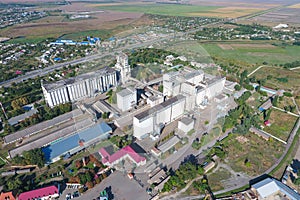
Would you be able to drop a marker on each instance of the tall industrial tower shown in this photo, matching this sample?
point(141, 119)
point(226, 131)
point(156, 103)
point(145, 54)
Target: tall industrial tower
point(123, 66)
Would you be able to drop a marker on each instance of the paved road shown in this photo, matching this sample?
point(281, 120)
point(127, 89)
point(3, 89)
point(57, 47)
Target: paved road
point(42, 72)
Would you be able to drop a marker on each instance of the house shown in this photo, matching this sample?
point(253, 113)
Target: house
point(267, 123)
point(209, 166)
point(266, 105)
point(130, 152)
point(7, 196)
point(41, 194)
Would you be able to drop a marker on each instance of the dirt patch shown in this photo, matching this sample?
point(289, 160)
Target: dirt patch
point(242, 139)
point(226, 46)
point(100, 21)
point(264, 46)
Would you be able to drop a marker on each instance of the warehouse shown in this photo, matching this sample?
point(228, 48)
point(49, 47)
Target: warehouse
point(75, 143)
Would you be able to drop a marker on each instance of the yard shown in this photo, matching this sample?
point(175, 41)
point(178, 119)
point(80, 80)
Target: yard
point(251, 154)
point(281, 124)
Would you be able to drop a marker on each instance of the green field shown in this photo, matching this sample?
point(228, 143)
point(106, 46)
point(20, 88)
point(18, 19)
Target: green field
point(162, 9)
point(192, 50)
point(254, 54)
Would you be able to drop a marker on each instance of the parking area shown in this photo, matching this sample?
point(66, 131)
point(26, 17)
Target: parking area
point(70, 192)
point(119, 187)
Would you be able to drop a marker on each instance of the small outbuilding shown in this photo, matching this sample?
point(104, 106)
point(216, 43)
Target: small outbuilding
point(186, 124)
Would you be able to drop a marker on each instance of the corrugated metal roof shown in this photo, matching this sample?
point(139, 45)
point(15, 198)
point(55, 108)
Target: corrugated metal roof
point(270, 186)
point(68, 144)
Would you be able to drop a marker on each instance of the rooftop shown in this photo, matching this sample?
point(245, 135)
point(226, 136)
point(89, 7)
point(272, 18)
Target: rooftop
point(74, 141)
point(270, 186)
point(169, 144)
point(38, 193)
point(129, 150)
point(7, 196)
point(82, 77)
point(186, 120)
point(14, 120)
point(126, 92)
point(41, 126)
point(159, 107)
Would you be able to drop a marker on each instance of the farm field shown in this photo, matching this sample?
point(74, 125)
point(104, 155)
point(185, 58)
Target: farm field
point(293, 78)
point(181, 10)
point(253, 53)
point(56, 26)
point(251, 154)
point(191, 50)
point(281, 124)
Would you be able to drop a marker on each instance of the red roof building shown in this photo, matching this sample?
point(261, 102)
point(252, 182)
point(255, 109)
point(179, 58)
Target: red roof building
point(42, 193)
point(126, 152)
point(267, 123)
point(7, 196)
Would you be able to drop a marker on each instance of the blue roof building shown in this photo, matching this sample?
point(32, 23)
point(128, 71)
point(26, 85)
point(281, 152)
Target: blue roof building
point(77, 142)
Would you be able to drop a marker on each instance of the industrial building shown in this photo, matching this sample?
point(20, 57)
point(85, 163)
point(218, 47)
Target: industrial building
point(271, 188)
point(76, 88)
point(126, 99)
point(75, 143)
point(186, 124)
point(194, 85)
point(123, 67)
point(154, 119)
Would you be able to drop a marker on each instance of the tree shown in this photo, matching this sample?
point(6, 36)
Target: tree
point(237, 87)
point(90, 185)
point(297, 181)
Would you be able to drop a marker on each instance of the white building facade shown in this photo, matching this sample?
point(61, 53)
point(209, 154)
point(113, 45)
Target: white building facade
point(126, 99)
point(150, 121)
point(82, 86)
point(193, 84)
point(123, 66)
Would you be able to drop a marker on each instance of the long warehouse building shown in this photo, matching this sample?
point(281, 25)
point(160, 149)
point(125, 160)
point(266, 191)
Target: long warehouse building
point(76, 88)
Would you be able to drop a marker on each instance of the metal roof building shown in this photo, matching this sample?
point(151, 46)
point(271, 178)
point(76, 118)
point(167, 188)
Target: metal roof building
point(77, 142)
point(269, 187)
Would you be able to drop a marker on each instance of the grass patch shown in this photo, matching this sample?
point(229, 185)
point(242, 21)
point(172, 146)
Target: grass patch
point(251, 154)
point(214, 133)
point(281, 124)
point(216, 177)
point(278, 72)
point(278, 170)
